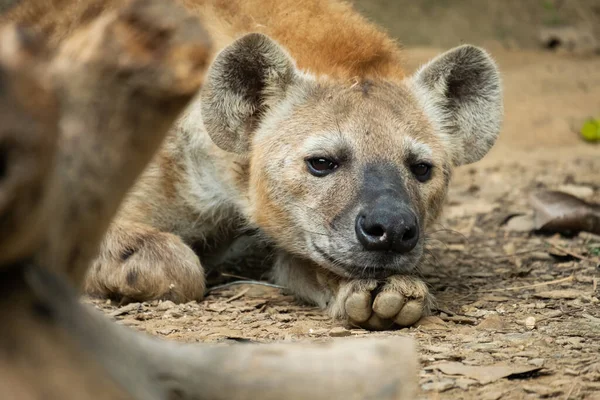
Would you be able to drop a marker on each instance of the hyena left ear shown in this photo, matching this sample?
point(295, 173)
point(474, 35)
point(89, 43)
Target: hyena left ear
point(246, 79)
point(461, 93)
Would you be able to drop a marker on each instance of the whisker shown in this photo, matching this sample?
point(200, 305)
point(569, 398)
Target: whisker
point(444, 229)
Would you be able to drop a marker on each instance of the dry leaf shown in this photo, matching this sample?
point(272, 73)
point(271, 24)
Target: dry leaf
point(493, 322)
point(484, 374)
point(431, 323)
point(561, 212)
point(520, 223)
point(558, 294)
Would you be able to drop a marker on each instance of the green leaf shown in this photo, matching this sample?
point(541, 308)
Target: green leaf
point(590, 131)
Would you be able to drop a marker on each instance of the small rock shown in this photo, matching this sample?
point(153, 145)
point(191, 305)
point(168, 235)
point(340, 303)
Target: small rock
point(493, 322)
point(165, 305)
point(530, 322)
point(339, 332)
point(538, 362)
point(440, 386)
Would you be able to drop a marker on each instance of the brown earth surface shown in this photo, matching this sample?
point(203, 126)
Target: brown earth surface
point(505, 296)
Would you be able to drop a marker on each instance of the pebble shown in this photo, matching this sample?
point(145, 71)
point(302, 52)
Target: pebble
point(530, 322)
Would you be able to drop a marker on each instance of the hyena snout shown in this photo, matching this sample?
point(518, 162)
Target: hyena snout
point(387, 225)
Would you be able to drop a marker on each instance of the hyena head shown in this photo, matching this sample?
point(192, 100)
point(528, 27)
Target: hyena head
point(349, 175)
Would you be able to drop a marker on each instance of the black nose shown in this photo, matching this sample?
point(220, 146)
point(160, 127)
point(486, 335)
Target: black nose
point(384, 229)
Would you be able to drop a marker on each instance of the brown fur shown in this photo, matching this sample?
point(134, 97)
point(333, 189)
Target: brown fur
point(318, 80)
point(353, 47)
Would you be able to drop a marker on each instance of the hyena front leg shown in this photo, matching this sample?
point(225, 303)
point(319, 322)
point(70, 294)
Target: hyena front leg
point(138, 262)
point(399, 300)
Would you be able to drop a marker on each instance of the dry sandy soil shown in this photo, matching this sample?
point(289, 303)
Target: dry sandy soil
point(505, 296)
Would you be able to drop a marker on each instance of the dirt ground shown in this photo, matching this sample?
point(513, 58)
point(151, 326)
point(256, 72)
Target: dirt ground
point(505, 296)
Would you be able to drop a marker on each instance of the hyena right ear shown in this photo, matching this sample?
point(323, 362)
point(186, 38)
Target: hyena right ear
point(245, 80)
point(461, 93)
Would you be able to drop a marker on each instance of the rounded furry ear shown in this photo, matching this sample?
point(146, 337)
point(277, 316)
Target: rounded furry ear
point(461, 94)
point(243, 82)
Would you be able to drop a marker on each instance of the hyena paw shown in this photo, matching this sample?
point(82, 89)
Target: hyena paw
point(400, 300)
point(146, 265)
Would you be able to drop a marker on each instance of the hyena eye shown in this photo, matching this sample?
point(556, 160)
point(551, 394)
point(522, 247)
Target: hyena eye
point(320, 166)
point(421, 171)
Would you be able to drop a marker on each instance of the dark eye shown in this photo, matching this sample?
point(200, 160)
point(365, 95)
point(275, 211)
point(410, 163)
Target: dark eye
point(319, 166)
point(421, 171)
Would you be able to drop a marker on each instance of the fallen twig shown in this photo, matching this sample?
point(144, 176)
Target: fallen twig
point(554, 282)
point(572, 253)
point(248, 282)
